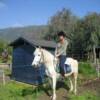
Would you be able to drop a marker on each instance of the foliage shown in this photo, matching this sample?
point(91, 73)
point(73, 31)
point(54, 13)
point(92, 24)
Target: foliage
point(63, 20)
point(83, 33)
point(3, 46)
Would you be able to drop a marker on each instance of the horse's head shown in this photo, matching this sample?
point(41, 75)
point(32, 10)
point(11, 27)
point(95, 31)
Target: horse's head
point(37, 57)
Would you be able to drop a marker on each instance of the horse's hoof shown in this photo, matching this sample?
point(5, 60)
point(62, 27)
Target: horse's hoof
point(53, 98)
point(75, 93)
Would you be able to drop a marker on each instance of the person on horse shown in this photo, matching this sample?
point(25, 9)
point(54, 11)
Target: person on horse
point(60, 51)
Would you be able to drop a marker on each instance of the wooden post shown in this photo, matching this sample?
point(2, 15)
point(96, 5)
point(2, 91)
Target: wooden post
point(4, 82)
point(98, 68)
point(94, 54)
point(2, 74)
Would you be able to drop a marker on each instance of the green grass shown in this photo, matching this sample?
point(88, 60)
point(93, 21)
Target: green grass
point(86, 72)
point(86, 69)
point(86, 95)
point(18, 91)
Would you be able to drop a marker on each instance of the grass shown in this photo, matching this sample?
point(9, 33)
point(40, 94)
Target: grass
point(86, 95)
point(18, 91)
point(86, 72)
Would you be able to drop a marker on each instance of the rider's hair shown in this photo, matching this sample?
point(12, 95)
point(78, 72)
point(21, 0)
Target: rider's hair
point(61, 33)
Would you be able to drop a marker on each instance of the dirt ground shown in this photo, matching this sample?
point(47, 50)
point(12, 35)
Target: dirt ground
point(62, 91)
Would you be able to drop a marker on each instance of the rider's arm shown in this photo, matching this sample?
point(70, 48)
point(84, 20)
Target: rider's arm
point(62, 49)
point(56, 50)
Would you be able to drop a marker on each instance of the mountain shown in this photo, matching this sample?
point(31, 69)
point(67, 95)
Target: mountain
point(10, 34)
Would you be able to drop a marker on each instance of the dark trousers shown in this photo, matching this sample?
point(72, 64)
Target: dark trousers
point(62, 59)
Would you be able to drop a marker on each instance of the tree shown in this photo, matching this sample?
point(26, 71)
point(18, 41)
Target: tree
point(84, 33)
point(63, 20)
point(92, 32)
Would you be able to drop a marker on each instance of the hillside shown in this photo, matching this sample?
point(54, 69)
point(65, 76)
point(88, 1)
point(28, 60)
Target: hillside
point(10, 34)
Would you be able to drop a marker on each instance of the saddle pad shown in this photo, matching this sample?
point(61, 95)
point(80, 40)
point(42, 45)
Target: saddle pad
point(67, 68)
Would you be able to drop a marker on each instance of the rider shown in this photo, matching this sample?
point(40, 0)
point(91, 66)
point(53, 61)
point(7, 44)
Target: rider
point(60, 51)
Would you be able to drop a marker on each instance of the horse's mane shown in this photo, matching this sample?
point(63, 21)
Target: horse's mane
point(46, 51)
point(49, 57)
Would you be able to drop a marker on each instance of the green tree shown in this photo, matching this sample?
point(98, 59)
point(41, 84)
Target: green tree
point(92, 32)
point(63, 20)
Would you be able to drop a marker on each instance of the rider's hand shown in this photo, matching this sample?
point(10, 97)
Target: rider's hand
point(57, 55)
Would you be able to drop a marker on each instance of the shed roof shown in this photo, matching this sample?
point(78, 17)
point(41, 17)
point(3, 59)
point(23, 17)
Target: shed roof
point(35, 42)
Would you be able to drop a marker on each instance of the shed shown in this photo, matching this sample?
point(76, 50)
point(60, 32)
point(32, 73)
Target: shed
point(22, 58)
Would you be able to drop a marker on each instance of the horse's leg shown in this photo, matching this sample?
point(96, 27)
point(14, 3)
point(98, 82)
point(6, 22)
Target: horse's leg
point(50, 81)
point(75, 80)
point(68, 74)
point(54, 87)
point(71, 84)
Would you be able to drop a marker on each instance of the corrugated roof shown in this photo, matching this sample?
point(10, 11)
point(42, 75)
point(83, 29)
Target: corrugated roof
point(35, 42)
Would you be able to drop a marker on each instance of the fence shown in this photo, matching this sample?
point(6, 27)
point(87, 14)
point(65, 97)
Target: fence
point(3, 66)
point(2, 76)
point(98, 67)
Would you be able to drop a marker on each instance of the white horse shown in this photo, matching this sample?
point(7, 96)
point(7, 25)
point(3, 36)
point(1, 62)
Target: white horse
point(48, 59)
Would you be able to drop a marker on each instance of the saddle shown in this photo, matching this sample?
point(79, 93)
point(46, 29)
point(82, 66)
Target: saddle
point(67, 69)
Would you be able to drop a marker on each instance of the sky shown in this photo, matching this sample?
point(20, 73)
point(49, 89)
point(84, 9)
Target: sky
point(19, 13)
